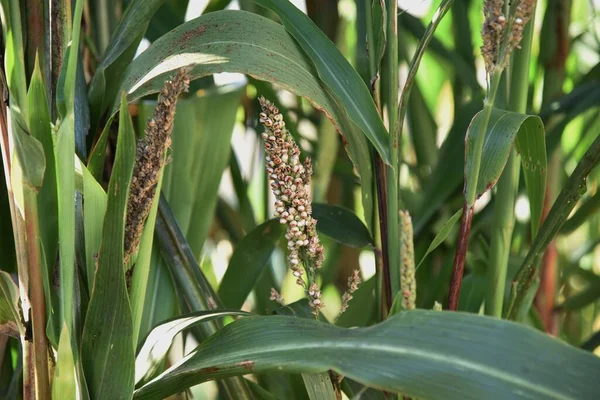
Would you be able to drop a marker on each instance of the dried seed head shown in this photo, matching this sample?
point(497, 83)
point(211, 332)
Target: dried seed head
point(353, 282)
point(149, 160)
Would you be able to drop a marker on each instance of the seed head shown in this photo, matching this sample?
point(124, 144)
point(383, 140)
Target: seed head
point(290, 182)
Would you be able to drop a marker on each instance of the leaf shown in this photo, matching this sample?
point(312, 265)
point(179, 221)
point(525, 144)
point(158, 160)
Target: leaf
point(319, 386)
point(40, 129)
point(121, 49)
point(64, 384)
point(107, 339)
point(29, 153)
point(477, 357)
point(250, 257)
point(587, 296)
point(337, 74)
point(94, 211)
point(169, 15)
point(341, 224)
point(161, 300)
point(237, 41)
point(503, 128)
point(158, 342)
point(442, 235)
point(10, 321)
point(379, 17)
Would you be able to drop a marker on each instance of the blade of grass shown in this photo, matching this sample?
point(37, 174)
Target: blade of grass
point(337, 74)
point(108, 332)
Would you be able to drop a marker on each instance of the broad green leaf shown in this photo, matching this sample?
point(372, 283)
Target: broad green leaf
point(237, 41)
point(64, 383)
point(249, 259)
point(572, 191)
point(503, 129)
point(337, 74)
point(121, 49)
point(107, 340)
point(341, 224)
point(94, 211)
point(478, 357)
point(158, 342)
point(442, 235)
point(10, 321)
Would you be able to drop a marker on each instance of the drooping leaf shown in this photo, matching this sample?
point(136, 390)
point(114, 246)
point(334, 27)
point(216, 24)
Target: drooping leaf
point(158, 342)
point(471, 356)
point(503, 129)
point(250, 257)
point(236, 41)
point(341, 224)
point(337, 74)
point(107, 340)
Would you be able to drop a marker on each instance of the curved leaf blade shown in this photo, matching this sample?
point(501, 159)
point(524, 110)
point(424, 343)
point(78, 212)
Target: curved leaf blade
point(461, 355)
point(335, 71)
point(504, 128)
point(158, 342)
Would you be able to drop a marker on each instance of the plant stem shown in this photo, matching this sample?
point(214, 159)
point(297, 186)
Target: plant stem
point(504, 221)
point(391, 175)
point(471, 192)
point(508, 185)
point(38, 304)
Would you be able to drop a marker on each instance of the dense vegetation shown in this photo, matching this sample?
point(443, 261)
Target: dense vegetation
point(380, 204)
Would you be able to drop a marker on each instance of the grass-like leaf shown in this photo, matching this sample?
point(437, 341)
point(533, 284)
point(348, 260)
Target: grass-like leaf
point(335, 71)
point(248, 261)
point(107, 340)
point(424, 354)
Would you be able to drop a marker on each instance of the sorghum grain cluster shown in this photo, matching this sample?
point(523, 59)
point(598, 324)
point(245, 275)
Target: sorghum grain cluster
point(290, 182)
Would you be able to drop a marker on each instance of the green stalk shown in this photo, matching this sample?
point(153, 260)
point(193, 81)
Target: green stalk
point(508, 185)
point(393, 234)
point(36, 286)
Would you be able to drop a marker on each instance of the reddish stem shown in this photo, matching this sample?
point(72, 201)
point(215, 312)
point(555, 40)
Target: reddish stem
point(458, 268)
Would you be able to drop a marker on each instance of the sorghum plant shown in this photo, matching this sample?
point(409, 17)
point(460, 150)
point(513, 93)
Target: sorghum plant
point(161, 228)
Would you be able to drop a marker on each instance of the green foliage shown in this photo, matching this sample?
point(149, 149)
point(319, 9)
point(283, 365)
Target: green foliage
point(390, 120)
